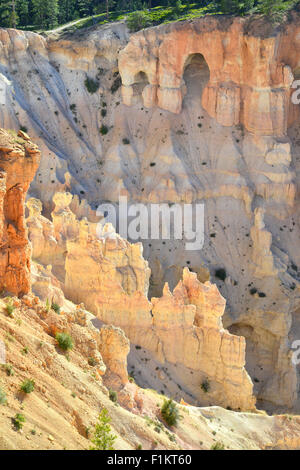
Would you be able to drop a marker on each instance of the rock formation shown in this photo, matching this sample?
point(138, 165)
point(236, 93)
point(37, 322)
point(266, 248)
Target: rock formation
point(193, 111)
point(19, 160)
point(183, 329)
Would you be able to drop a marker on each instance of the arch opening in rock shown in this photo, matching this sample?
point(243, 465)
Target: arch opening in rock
point(140, 81)
point(196, 75)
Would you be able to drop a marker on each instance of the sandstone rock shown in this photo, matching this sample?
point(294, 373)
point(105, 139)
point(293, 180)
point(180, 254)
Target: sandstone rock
point(114, 348)
point(19, 159)
point(203, 345)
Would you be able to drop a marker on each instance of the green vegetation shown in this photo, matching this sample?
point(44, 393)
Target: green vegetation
point(3, 399)
point(8, 369)
point(18, 421)
point(55, 307)
point(41, 15)
point(91, 85)
point(116, 84)
point(113, 396)
point(138, 20)
point(205, 386)
point(103, 129)
point(92, 361)
point(64, 341)
point(27, 386)
point(169, 412)
point(10, 308)
point(103, 438)
point(217, 446)
point(126, 141)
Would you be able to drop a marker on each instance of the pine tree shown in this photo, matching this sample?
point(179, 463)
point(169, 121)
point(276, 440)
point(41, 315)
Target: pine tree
point(5, 13)
point(45, 12)
point(66, 11)
point(235, 7)
point(22, 12)
point(103, 438)
point(84, 7)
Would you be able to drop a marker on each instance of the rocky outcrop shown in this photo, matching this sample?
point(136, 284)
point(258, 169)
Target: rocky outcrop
point(189, 329)
point(183, 329)
point(114, 347)
point(247, 81)
point(19, 160)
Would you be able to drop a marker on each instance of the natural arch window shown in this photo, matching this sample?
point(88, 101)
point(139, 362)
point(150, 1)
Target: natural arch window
point(140, 81)
point(196, 75)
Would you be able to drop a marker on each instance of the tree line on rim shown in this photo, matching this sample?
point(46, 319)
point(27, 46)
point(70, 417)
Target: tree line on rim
point(46, 14)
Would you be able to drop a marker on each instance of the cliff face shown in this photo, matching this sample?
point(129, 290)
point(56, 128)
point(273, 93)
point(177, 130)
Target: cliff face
point(204, 114)
point(248, 78)
point(19, 160)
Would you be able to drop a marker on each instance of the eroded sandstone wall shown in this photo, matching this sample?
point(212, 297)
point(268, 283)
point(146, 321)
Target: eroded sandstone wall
point(232, 144)
point(183, 328)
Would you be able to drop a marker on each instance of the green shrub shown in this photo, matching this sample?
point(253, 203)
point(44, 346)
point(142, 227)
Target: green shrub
point(91, 85)
point(217, 446)
point(10, 308)
point(23, 129)
point(113, 396)
point(205, 386)
point(55, 307)
point(64, 340)
point(3, 399)
point(103, 438)
point(116, 84)
point(27, 386)
point(169, 412)
point(126, 141)
point(18, 421)
point(103, 129)
point(9, 369)
point(92, 361)
point(138, 20)
point(103, 112)
point(275, 10)
point(177, 8)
